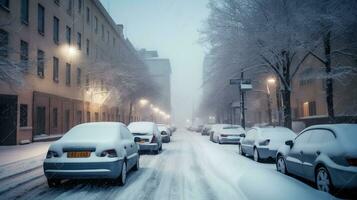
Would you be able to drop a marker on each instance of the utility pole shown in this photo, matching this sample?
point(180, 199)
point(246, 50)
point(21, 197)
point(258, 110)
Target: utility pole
point(242, 107)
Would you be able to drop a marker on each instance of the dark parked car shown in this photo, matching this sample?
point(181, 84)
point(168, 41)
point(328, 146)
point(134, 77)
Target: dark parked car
point(324, 154)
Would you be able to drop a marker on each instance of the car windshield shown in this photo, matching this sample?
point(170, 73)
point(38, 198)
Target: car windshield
point(277, 133)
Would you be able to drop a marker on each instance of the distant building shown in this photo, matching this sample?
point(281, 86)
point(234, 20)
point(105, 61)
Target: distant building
point(160, 70)
point(56, 44)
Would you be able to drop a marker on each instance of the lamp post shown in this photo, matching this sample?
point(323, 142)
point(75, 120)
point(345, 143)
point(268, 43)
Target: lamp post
point(269, 82)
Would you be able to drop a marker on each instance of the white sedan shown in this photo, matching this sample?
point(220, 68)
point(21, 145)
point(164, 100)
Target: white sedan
point(92, 150)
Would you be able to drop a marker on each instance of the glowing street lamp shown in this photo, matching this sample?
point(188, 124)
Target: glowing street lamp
point(271, 81)
point(143, 102)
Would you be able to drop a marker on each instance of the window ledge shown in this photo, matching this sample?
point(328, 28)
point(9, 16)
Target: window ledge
point(5, 8)
point(25, 128)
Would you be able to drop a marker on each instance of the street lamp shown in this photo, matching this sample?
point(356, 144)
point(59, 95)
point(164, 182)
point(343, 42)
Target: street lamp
point(270, 81)
point(143, 102)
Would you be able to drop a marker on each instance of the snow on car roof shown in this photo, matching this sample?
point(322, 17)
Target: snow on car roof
point(141, 127)
point(346, 133)
point(96, 131)
point(276, 131)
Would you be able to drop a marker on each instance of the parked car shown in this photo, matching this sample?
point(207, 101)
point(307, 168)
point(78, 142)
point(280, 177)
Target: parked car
point(263, 143)
point(206, 128)
point(165, 132)
point(92, 150)
point(231, 134)
point(148, 134)
point(214, 129)
point(324, 154)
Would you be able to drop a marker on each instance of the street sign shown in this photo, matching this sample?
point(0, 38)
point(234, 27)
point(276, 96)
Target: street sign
point(246, 85)
point(234, 81)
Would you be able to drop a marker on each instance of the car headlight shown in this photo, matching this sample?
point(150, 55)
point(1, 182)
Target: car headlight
point(51, 154)
point(111, 153)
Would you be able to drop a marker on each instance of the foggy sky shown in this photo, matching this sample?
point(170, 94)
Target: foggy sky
point(171, 27)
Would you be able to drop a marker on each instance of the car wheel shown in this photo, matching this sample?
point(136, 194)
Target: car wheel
point(323, 180)
point(280, 165)
point(137, 165)
point(256, 155)
point(53, 182)
point(122, 177)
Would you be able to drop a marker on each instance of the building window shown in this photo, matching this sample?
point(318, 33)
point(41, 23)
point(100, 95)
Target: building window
point(4, 42)
point(79, 6)
point(102, 32)
point(24, 53)
point(68, 35)
point(69, 7)
point(312, 108)
point(68, 74)
point(79, 41)
point(23, 115)
point(103, 116)
point(95, 24)
point(55, 118)
point(101, 85)
point(107, 36)
point(41, 19)
point(55, 69)
point(96, 116)
point(88, 116)
point(87, 81)
point(66, 120)
point(87, 47)
point(309, 109)
point(55, 30)
point(79, 117)
point(79, 76)
point(40, 63)
point(4, 4)
point(113, 41)
point(88, 16)
point(24, 11)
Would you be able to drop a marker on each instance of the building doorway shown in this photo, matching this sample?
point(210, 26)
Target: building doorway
point(8, 119)
point(40, 120)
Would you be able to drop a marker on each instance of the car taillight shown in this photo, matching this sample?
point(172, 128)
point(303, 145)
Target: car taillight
point(352, 161)
point(51, 154)
point(265, 142)
point(154, 139)
point(111, 153)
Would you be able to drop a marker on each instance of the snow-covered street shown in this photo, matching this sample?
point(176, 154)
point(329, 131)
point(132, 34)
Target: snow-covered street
point(190, 167)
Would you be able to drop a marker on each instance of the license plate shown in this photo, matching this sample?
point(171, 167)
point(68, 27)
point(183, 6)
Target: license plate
point(78, 154)
point(142, 141)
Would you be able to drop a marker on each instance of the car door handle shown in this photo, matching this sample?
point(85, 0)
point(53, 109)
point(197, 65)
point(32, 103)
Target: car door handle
point(318, 152)
point(301, 152)
point(131, 145)
point(124, 147)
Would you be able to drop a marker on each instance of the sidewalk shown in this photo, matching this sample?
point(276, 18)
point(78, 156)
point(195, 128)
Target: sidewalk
point(11, 154)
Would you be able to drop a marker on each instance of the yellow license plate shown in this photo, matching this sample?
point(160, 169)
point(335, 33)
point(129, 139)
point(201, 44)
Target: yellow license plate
point(78, 154)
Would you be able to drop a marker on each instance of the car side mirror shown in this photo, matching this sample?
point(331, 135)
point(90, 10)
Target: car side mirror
point(137, 139)
point(242, 135)
point(290, 143)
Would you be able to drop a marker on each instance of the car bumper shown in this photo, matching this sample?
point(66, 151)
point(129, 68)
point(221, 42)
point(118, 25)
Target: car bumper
point(267, 153)
point(344, 177)
point(148, 146)
point(83, 170)
point(229, 140)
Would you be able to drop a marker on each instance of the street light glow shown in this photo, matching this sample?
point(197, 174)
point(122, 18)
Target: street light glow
point(271, 80)
point(143, 102)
